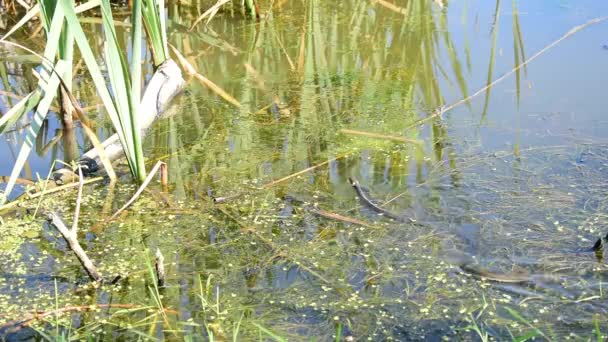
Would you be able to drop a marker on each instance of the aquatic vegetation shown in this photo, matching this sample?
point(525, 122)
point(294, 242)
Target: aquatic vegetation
point(121, 99)
point(263, 236)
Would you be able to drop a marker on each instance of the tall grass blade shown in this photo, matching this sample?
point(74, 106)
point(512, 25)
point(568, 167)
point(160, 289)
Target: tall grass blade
point(270, 333)
point(136, 78)
point(49, 83)
point(25, 105)
point(520, 318)
point(495, 26)
point(26, 18)
point(156, 28)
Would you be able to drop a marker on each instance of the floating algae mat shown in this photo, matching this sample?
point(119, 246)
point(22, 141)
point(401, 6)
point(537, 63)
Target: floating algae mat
point(269, 264)
point(476, 223)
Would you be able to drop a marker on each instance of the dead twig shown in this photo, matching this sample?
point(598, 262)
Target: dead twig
point(281, 180)
point(190, 70)
point(306, 170)
point(71, 235)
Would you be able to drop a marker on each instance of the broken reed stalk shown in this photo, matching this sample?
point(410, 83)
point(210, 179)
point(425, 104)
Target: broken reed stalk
point(286, 178)
point(49, 191)
point(381, 136)
point(191, 71)
point(210, 13)
point(71, 235)
point(390, 6)
point(439, 111)
point(160, 268)
point(339, 217)
point(164, 177)
point(140, 190)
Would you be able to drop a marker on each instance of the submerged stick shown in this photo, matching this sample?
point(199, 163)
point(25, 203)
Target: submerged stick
point(49, 191)
point(160, 268)
point(190, 70)
point(71, 235)
point(306, 170)
point(339, 217)
point(373, 205)
point(71, 238)
point(439, 111)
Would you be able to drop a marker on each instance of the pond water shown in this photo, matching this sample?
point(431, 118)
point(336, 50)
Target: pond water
point(514, 178)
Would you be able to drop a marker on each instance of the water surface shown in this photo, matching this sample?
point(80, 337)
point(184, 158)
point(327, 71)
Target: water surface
point(513, 178)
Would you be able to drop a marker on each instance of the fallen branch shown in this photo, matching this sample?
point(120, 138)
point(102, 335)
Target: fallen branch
point(71, 238)
point(71, 235)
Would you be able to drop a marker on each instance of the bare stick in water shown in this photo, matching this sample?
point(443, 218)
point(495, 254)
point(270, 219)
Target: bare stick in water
point(71, 235)
point(160, 268)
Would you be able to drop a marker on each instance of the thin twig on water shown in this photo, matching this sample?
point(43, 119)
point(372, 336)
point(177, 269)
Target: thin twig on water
point(140, 190)
point(439, 111)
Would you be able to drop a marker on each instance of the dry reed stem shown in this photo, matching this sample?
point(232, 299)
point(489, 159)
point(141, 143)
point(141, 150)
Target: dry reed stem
point(210, 13)
point(338, 217)
point(39, 315)
point(439, 111)
point(306, 170)
point(71, 237)
point(50, 191)
point(391, 6)
point(205, 81)
point(140, 190)
point(381, 136)
point(78, 201)
point(23, 181)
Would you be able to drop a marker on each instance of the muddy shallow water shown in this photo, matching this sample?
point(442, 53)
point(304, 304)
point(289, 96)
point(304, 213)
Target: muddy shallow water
point(511, 182)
